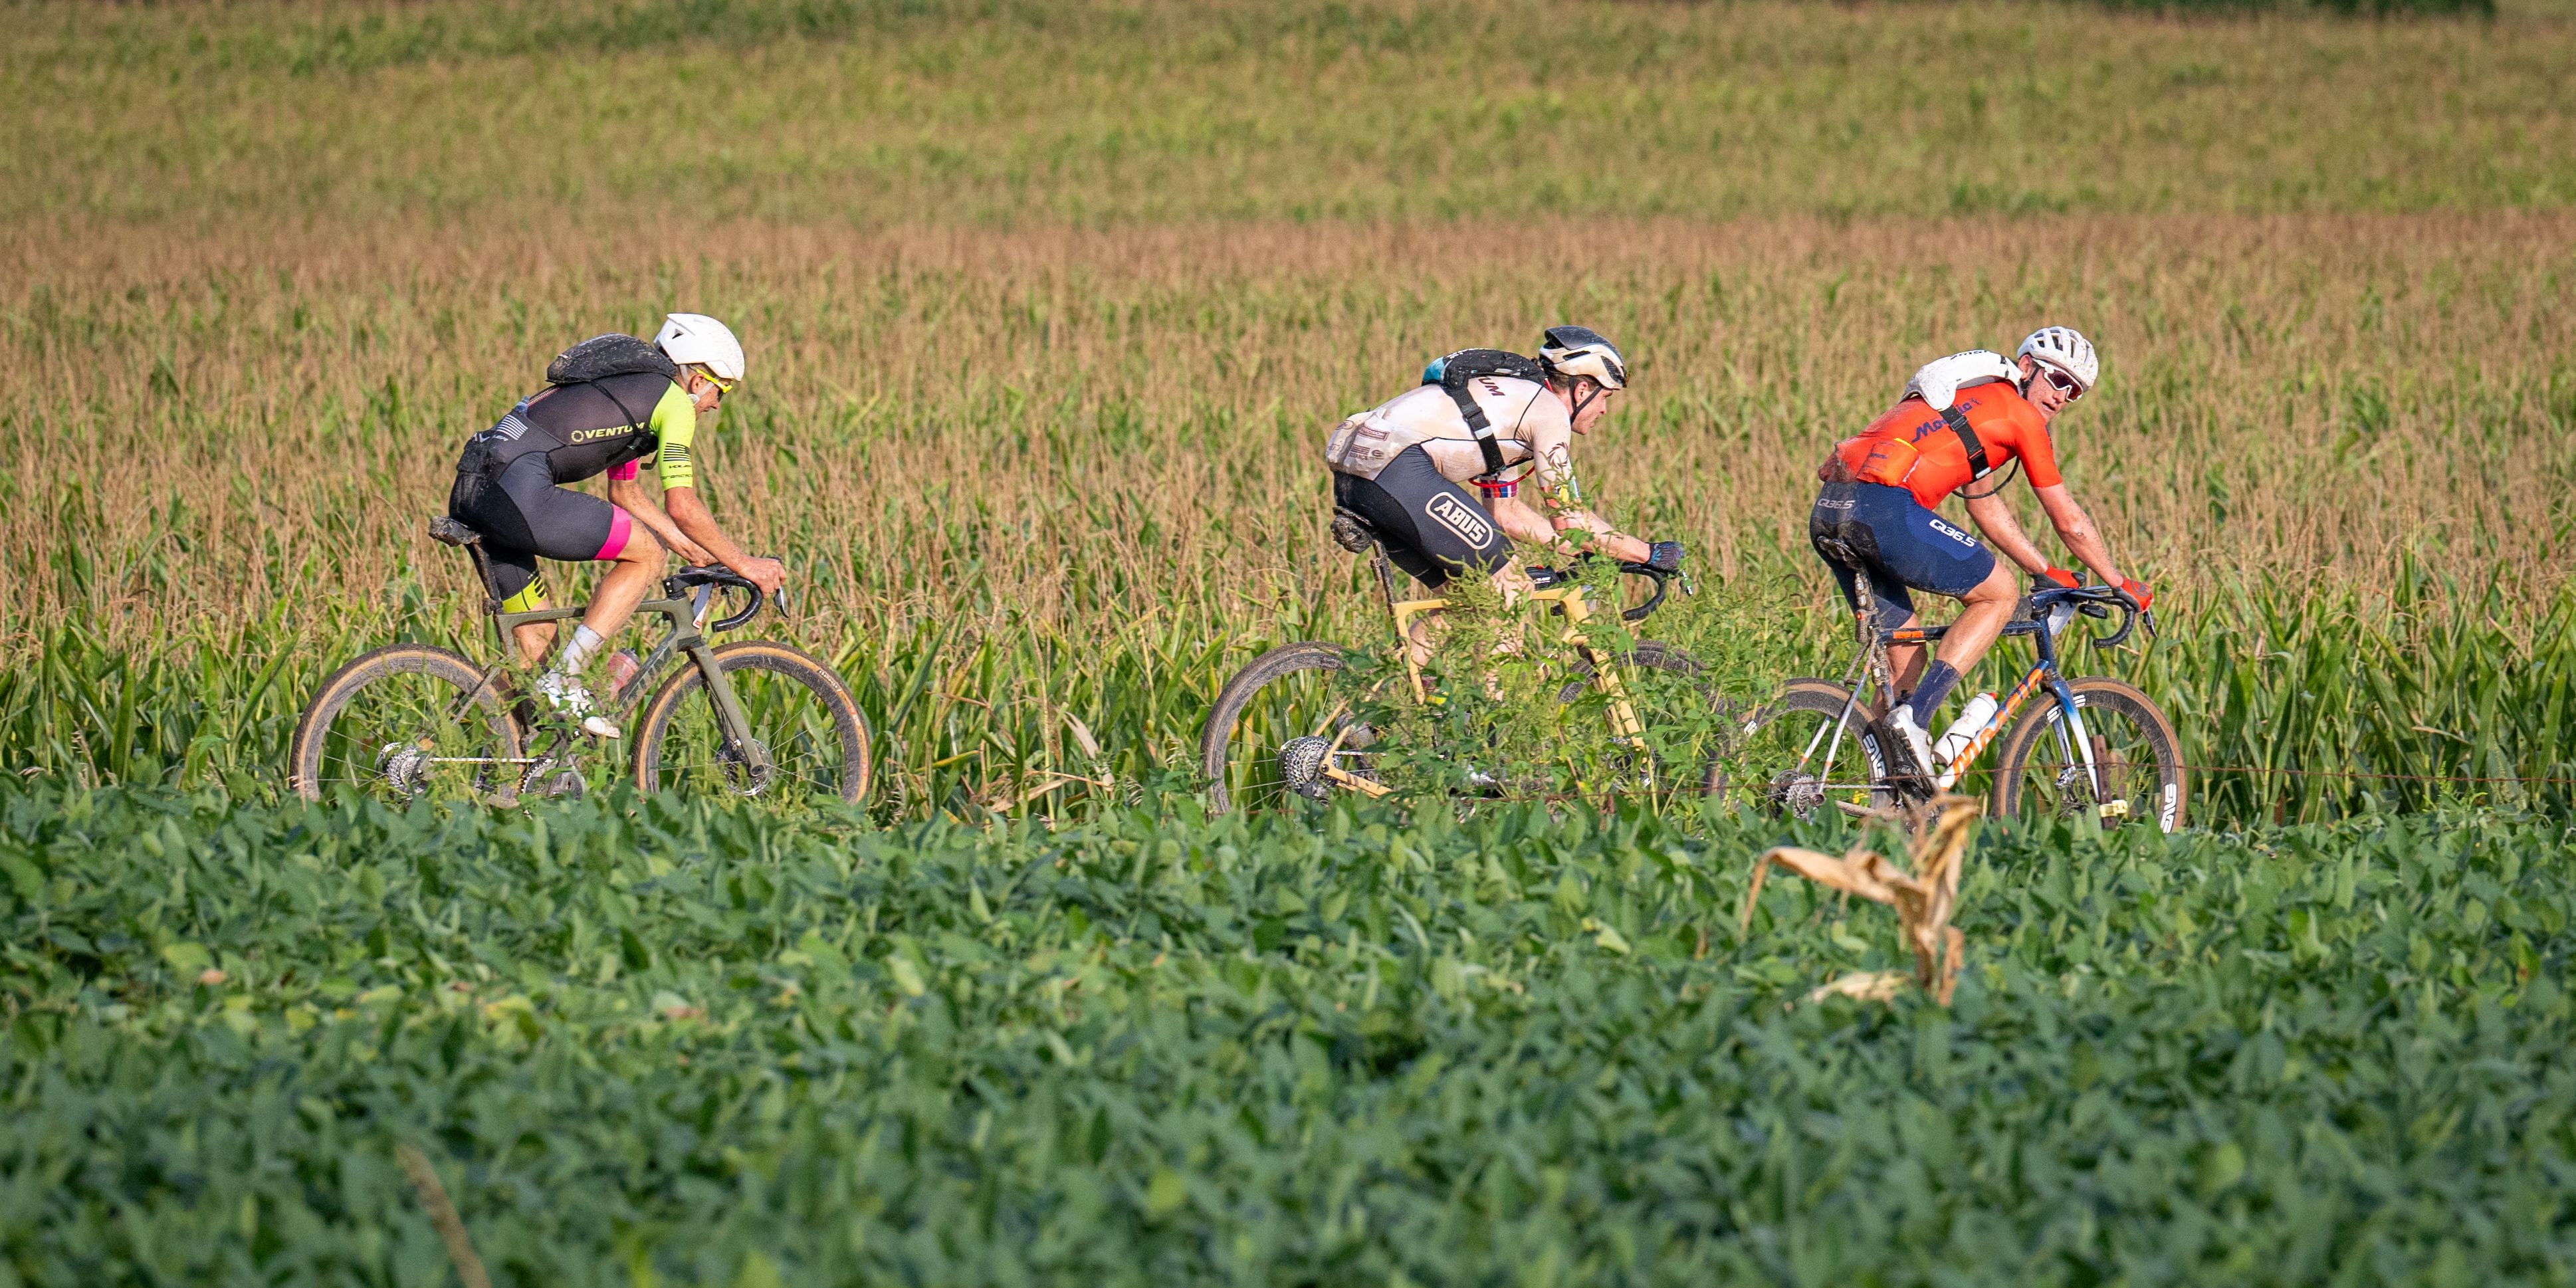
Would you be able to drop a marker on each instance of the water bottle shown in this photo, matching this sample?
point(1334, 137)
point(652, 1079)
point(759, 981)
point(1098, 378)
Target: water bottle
point(1964, 730)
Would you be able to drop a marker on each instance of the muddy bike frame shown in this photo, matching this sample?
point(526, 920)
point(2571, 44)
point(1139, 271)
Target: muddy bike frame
point(686, 598)
point(2050, 611)
point(1558, 588)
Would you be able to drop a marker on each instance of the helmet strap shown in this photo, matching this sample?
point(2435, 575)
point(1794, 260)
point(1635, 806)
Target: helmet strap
point(1586, 400)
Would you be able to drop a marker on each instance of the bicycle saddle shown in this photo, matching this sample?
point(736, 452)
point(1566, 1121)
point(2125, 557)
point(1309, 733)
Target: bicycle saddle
point(447, 529)
point(1351, 532)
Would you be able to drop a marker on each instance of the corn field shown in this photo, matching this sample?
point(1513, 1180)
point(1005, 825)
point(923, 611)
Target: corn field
point(1048, 309)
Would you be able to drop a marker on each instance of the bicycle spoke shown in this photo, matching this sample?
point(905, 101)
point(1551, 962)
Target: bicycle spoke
point(2119, 787)
point(794, 751)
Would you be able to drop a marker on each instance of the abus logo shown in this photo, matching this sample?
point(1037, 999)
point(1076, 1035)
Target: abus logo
point(1458, 517)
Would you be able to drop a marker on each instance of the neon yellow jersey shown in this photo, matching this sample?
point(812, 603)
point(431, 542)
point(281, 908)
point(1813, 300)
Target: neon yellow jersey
point(675, 430)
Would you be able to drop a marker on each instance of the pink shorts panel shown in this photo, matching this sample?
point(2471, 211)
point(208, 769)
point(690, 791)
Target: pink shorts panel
point(619, 528)
point(626, 473)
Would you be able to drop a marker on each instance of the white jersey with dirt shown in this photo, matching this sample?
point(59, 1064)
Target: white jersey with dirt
point(1528, 421)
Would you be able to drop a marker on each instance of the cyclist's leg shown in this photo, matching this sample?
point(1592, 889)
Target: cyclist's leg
point(1431, 527)
point(510, 548)
point(1919, 548)
point(576, 527)
point(1849, 547)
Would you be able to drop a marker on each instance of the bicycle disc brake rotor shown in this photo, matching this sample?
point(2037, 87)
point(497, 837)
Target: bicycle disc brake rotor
point(1301, 766)
point(2074, 790)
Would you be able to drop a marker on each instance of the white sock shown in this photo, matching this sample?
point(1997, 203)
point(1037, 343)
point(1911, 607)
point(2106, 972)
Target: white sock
point(576, 651)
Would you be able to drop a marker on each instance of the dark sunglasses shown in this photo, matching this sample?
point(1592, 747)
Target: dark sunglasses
point(2062, 382)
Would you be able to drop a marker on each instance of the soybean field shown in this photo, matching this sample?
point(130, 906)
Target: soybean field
point(1048, 309)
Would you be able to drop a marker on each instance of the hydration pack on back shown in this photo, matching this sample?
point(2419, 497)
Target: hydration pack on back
point(1454, 371)
point(602, 356)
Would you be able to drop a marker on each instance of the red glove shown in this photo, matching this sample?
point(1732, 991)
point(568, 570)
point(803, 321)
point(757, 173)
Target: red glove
point(2062, 577)
point(2139, 591)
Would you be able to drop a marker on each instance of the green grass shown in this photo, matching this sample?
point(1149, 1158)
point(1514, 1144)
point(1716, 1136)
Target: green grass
point(655, 1043)
point(1013, 112)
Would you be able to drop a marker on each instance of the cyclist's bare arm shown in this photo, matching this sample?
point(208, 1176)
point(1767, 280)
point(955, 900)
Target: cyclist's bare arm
point(699, 526)
point(629, 495)
point(1996, 520)
point(2075, 528)
point(1560, 505)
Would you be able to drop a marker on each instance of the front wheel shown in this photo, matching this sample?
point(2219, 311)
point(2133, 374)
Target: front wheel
point(403, 723)
point(2135, 777)
point(807, 739)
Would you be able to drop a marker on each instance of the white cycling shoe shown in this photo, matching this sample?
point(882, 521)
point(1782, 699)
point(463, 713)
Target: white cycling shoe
point(1916, 740)
point(566, 694)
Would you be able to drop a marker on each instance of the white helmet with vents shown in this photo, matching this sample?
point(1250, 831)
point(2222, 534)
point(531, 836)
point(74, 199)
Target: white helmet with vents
point(694, 339)
point(1581, 351)
point(2066, 349)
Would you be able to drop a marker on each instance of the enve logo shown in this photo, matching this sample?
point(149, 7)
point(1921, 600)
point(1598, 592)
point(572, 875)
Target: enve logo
point(1458, 517)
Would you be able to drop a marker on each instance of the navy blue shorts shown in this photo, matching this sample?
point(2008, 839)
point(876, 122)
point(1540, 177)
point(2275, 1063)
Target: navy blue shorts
point(1884, 534)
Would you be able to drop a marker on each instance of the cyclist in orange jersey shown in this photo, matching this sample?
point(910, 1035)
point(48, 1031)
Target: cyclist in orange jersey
point(1962, 419)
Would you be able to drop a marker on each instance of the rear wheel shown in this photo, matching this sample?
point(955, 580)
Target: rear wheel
point(1806, 752)
point(2137, 774)
point(807, 727)
point(1275, 726)
point(398, 725)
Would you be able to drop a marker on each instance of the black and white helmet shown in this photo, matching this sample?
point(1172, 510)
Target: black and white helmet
point(1572, 351)
point(2066, 349)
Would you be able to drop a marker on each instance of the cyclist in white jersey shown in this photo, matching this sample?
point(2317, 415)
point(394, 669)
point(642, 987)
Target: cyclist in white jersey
point(1406, 464)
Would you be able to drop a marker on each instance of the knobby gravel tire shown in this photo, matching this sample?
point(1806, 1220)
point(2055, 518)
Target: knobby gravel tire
point(1287, 659)
point(304, 773)
point(2033, 730)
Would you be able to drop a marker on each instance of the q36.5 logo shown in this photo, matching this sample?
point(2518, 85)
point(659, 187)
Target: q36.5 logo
point(1459, 517)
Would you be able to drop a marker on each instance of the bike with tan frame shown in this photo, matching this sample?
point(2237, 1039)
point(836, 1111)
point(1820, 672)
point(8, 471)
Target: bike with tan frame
point(1285, 727)
point(751, 718)
point(2094, 748)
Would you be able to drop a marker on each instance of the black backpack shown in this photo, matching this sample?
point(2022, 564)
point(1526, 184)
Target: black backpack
point(602, 356)
point(1454, 371)
point(614, 354)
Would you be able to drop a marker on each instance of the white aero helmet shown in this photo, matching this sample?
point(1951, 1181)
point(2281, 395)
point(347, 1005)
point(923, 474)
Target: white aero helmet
point(1581, 351)
point(694, 339)
point(2066, 349)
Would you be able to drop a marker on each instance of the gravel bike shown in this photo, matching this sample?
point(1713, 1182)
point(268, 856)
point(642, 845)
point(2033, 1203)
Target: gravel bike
point(751, 718)
point(2094, 746)
point(1287, 726)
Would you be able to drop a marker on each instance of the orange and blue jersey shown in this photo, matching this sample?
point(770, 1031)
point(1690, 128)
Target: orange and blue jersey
point(2004, 422)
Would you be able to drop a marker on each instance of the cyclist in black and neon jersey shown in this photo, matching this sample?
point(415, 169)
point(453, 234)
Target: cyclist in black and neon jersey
point(509, 488)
